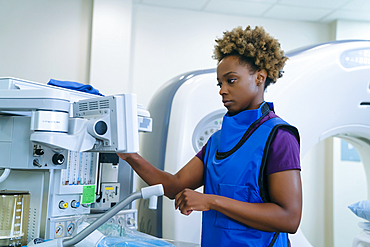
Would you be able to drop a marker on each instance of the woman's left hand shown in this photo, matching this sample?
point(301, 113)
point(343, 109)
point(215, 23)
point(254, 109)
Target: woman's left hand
point(189, 200)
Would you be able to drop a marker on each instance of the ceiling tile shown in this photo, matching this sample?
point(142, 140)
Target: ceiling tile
point(347, 15)
point(296, 13)
point(323, 11)
point(236, 7)
point(255, 1)
point(358, 5)
point(184, 4)
point(328, 4)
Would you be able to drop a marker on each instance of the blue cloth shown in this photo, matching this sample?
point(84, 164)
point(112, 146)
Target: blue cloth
point(234, 172)
point(361, 209)
point(75, 86)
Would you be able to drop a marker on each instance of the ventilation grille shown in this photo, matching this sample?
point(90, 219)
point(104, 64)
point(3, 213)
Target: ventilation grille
point(83, 107)
point(93, 105)
point(103, 104)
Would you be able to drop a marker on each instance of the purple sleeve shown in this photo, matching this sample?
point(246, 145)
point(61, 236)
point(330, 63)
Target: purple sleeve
point(200, 154)
point(283, 153)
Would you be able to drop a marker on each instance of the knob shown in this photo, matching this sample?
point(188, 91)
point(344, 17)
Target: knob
point(36, 163)
point(58, 159)
point(39, 151)
point(75, 204)
point(63, 205)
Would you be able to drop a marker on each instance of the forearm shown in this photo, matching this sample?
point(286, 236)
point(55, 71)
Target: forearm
point(152, 175)
point(262, 216)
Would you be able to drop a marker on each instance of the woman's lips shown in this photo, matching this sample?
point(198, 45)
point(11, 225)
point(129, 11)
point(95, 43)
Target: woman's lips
point(227, 102)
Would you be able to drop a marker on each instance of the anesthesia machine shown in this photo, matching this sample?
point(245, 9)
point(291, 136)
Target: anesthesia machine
point(57, 149)
point(324, 93)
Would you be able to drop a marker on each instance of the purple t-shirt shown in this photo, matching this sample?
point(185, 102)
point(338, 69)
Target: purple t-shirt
point(283, 152)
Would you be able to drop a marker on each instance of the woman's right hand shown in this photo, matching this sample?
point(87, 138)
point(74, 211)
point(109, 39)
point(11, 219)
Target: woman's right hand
point(125, 156)
point(190, 176)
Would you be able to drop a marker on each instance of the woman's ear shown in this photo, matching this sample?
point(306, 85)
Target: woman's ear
point(261, 77)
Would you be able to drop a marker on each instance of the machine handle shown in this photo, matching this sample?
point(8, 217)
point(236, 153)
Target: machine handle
point(154, 190)
point(153, 202)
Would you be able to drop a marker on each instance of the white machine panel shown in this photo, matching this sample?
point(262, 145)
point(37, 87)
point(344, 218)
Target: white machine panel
point(206, 127)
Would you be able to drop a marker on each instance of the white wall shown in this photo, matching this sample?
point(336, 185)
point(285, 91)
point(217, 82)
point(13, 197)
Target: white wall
point(110, 46)
point(45, 39)
point(352, 30)
point(167, 42)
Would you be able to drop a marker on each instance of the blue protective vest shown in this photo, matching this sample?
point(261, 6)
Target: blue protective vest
point(234, 166)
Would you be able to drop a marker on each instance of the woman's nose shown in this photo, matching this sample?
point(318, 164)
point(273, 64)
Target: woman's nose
point(223, 89)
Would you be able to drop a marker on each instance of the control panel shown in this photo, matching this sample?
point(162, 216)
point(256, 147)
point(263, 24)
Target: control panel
point(46, 158)
point(66, 226)
point(109, 196)
point(15, 144)
point(69, 183)
point(64, 205)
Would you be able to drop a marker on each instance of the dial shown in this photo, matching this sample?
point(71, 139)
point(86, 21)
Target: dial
point(58, 159)
point(71, 228)
point(59, 230)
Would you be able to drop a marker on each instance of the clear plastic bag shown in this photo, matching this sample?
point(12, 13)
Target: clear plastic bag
point(114, 235)
point(132, 242)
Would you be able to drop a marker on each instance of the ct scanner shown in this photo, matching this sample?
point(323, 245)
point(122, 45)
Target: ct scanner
point(324, 93)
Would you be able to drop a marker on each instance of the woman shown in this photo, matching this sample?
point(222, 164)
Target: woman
point(250, 169)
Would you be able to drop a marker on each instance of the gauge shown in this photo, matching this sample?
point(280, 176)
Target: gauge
point(71, 228)
point(59, 230)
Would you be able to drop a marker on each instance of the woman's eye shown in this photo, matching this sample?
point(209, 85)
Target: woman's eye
point(219, 84)
point(231, 81)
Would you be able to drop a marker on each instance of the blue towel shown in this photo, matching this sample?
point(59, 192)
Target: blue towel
point(361, 209)
point(75, 86)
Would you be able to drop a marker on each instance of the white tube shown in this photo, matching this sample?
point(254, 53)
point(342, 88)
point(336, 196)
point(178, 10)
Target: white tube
point(4, 175)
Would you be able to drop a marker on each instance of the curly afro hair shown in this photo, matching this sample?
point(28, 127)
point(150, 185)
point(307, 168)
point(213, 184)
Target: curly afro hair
point(254, 47)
